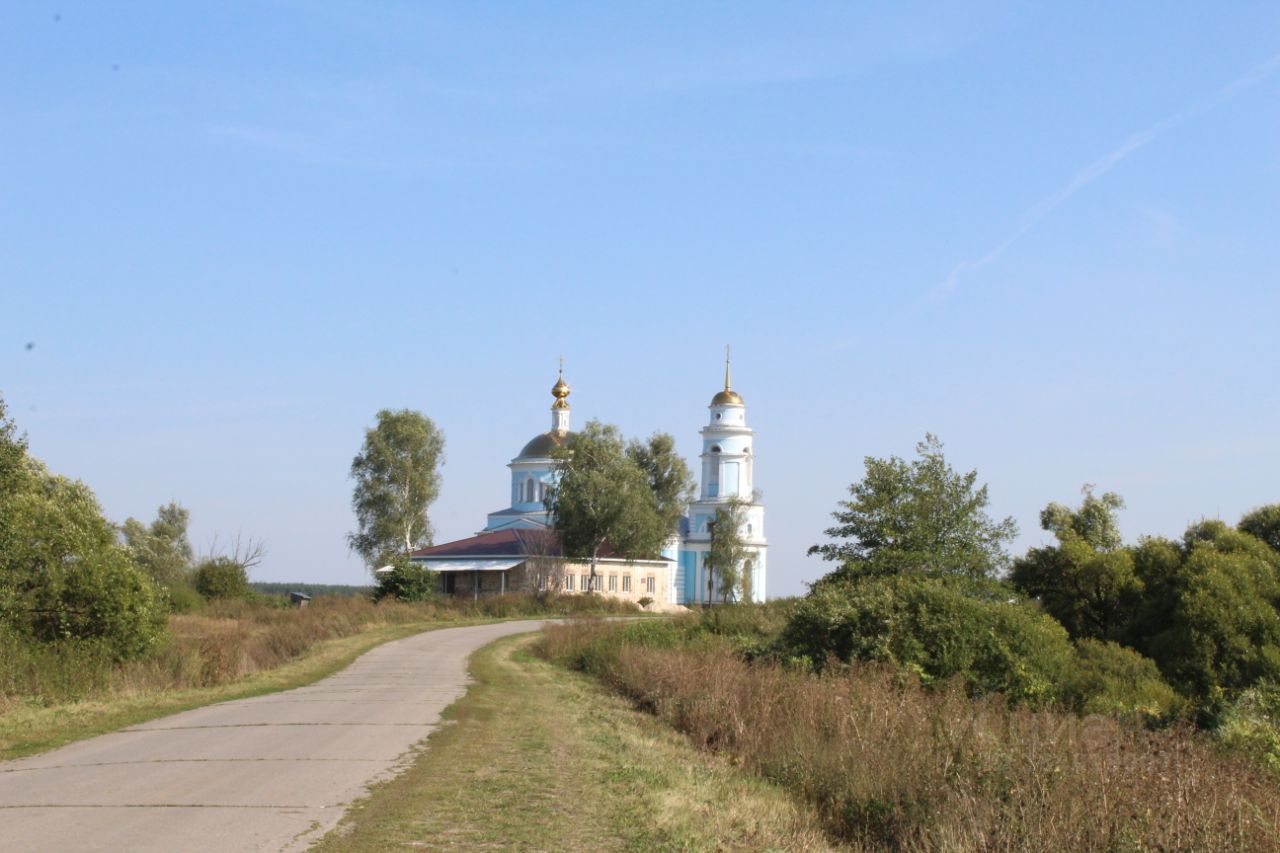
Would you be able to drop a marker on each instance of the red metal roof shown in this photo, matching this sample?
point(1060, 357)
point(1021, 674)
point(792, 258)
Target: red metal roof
point(512, 542)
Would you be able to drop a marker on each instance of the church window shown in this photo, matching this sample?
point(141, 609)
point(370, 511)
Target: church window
point(528, 490)
point(542, 491)
point(715, 448)
point(717, 416)
point(568, 582)
point(613, 583)
point(626, 583)
point(748, 529)
point(713, 480)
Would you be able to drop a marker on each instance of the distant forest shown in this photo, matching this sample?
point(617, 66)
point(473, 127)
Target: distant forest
point(311, 589)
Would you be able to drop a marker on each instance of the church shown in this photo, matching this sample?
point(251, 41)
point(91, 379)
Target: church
point(517, 549)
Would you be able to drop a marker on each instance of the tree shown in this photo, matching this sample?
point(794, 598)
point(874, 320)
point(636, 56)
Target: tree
point(544, 562)
point(221, 577)
point(62, 574)
point(397, 479)
point(1210, 619)
point(727, 552)
point(919, 516)
point(162, 549)
point(669, 477)
point(601, 494)
point(1264, 523)
point(1087, 581)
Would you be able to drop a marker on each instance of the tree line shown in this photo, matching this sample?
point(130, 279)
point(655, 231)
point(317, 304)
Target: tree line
point(1161, 628)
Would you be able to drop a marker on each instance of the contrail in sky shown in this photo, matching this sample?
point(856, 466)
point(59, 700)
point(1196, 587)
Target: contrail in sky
point(1105, 164)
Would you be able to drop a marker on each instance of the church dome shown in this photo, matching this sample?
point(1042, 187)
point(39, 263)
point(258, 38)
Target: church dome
point(727, 397)
point(540, 446)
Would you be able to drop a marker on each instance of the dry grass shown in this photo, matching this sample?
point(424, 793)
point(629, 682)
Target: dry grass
point(890, 766)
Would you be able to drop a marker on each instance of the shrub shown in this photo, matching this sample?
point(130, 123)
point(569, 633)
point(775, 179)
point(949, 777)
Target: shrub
point(1251, 724)
point(1110, 679)
point(937, 627)
point(407, 581)
point(221, 577)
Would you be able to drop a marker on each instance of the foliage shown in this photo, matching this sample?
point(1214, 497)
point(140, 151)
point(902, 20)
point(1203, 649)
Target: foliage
point(601, 494)
point(163, 551)
point(1210, 619)
point(919, 516)
point(62, 575)
point(1107, 678)
point(726, 553)
point(407, 581)
point(890, 766)
point(1251, 724)
point(670, 481)
point(221, 578)
point(1087, 581)
point(937, 627)
point(1263, 523)
point(397, 479)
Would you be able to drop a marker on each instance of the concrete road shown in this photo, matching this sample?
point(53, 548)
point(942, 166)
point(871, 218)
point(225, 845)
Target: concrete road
point(266, 774)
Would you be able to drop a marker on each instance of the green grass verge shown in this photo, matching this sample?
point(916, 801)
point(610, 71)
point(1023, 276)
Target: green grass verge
point(538, 758)
point(26, 731)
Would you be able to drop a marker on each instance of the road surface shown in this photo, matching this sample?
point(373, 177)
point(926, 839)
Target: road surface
point(271, 773)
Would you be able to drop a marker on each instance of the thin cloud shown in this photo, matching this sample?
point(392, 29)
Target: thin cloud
point(1106, 163)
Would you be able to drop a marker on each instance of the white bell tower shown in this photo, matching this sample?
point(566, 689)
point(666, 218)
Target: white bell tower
point(728, 473)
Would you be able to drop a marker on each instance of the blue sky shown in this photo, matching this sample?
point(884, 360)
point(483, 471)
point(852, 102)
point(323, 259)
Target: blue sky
point(1046, 233)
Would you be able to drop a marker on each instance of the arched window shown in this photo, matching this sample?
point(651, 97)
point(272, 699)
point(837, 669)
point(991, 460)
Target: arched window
point(528, 490)
point(715, 448)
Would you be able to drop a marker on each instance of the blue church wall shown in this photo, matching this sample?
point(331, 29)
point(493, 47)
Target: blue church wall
point(688, 573)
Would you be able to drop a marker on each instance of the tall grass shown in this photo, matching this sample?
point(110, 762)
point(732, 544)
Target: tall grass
point(891, 766)
point(229, 640)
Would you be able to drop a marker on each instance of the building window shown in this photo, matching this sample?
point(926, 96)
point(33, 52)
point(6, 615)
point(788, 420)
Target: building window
point(528, 490)
point(542, 492)
point(626, 583)
point(586, 582)
point(715, 448)
point(613, 583)
point(568, 582)
point(650, 585)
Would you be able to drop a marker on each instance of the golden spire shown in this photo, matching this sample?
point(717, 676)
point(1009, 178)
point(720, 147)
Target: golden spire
point(727, 397)
point(560, 390)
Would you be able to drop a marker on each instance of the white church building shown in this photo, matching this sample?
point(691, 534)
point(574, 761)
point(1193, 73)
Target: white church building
point(492, 560)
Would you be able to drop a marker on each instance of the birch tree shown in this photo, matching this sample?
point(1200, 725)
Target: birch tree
point(602, 494)
point(397, 478)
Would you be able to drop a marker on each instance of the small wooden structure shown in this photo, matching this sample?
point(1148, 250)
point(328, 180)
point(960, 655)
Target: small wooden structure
point(299, 598)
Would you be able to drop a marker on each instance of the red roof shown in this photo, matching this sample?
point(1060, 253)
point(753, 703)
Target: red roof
point(512, 542)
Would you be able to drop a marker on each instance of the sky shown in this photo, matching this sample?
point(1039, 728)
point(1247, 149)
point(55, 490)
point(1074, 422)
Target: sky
point(1047, 233)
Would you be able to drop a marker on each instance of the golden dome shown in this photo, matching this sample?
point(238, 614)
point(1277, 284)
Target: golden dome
point(540, 446)
point(560, 390)
point(727, 397)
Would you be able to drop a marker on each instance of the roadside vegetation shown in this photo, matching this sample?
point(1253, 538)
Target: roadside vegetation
point(537, 758)
point(888, 763)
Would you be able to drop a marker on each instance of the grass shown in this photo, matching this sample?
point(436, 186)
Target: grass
point(32, 728)
point(53, 694)
point(890, 766)
point(538, 758)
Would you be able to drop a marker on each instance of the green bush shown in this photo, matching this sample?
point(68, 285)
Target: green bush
point(1251, 724)
point(221, 577)
point(938, 627)
point(407, 581)
point(1110, 679)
